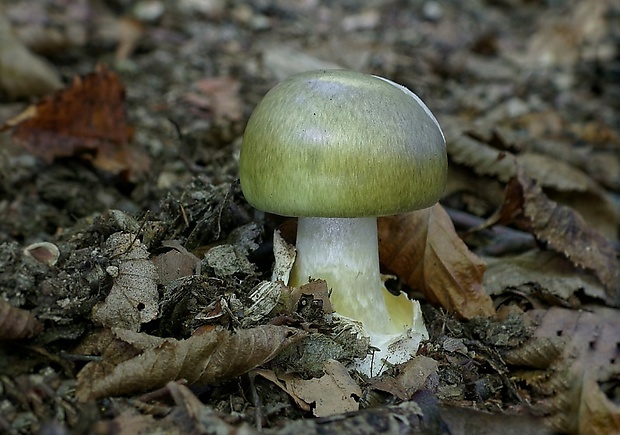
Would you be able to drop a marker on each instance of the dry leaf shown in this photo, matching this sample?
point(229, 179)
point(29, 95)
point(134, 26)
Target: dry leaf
point(560, 227)
point(538, 353)
point(16, 323)
point(564, 39)
point(577, 403)
point(333, 393)
point(22, 73)
point(482, 158)
point(423, 249)
point(570, 185)
point(133, 299)
point(220, 96)
point(573, 188)
point(203, 359)
point(271, 376)
point(176, 263)
point(87, 119)
point(414, 376)
point(548, 271)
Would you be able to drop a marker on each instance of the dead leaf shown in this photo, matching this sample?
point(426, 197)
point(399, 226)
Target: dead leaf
point(538, 353)
point(133, 299)
point(220, 96)
point(23, 73)
point(176, 263)
point(564, 39)
point(203, 359)
point(561, 228)
point(87, 119)
point(549, 272)
point(271, 376)
point(16, 323)
point(274, 298)
point(414, 376)
point(194, 416)
point(334, 393)
point(573, 188)
point(481, 157)
point(576, 400)
point(423, 248)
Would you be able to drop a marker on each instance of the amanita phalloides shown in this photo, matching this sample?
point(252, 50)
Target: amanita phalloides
point(337, 149)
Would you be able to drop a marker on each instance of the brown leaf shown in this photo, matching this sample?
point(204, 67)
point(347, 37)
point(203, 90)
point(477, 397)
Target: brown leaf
point(16, 323)
point(219, 95)
point(201, 359)
point(86, 119)
point(577, 401)
point(176, 263)
point(554, 276)
point(482, 158)
point(423, 248)
point(415, 375)
point(560, 227)
point(133, 299)
point(573, 188)
point(333, 393)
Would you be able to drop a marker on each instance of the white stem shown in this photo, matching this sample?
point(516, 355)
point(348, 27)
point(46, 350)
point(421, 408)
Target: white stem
point(344, 252)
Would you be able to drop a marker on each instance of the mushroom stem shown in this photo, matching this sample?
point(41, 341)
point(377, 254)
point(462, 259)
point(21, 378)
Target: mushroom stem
point(344, 252)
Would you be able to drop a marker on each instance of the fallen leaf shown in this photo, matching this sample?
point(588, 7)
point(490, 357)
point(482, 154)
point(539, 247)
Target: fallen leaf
point(16, 323)
point(550, 273)
point(220, 96)
point(573, 393)
point(87, 120)
point(564, 39)
point(334, 393)
point(484, 159)
point(271, 376)
point(133, 299)
point(194, 416)
point(23, 73)
point(175, 263)
point(423, 248)
point(413, 376)
point(561, 228)
point(202, 359)
point(573, 188)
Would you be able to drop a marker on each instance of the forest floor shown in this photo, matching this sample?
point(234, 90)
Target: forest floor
point(135, 280)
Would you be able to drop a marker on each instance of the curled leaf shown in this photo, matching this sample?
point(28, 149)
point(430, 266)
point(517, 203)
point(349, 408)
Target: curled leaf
point(203, 359)
point(16, 323)
point(133, 299)
point(561, 228)
point(423, 248)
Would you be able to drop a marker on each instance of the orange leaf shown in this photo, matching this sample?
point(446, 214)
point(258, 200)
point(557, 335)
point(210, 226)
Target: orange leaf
point(423, 248)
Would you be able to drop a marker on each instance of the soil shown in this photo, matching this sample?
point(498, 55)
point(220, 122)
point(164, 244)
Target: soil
point(192, 75)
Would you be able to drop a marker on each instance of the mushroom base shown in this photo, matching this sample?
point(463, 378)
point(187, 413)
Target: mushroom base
point(345, 253)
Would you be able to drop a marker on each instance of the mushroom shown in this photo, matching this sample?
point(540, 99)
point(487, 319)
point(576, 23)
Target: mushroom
point(337, 149)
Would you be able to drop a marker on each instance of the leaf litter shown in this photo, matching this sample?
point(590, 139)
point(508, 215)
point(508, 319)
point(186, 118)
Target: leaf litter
point(530, 114)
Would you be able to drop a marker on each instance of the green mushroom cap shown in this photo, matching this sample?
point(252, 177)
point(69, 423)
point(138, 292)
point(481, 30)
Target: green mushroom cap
point(342, 144)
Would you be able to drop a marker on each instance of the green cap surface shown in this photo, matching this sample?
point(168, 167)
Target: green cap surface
point(340, 143)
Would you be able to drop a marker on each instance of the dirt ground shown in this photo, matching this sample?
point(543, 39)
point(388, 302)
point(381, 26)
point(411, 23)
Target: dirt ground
point(131, 264)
